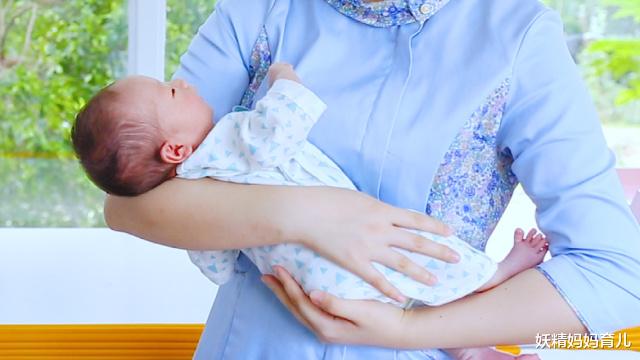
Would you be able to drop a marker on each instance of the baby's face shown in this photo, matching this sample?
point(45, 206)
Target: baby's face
point(183, 116)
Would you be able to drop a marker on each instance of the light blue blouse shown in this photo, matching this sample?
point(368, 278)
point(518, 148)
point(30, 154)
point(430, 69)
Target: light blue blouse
point(437, 106)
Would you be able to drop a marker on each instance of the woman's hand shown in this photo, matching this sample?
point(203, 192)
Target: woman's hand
point(354, 230)
point(282, 71)
point(347, 227)
point(341, 321)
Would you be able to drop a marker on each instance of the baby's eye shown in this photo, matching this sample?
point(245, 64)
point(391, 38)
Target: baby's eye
point(173, 92)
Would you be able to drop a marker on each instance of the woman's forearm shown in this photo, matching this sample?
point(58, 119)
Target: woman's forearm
point(203, 214)
point(511, 313)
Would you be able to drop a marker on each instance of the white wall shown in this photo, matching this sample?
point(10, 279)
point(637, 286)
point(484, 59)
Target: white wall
point(72, 276)
point(68, 276)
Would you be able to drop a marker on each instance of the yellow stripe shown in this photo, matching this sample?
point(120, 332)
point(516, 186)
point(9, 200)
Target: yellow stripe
point(99, 342)
point(81, 345)
point(84, 357)
point(631, 336)
point(158, 353)
point(142, 342)
point(511, 349)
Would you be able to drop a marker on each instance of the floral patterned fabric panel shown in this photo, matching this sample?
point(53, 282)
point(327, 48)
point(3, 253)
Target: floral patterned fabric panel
point(474, 183)
point(258, 68)
point(387, 13)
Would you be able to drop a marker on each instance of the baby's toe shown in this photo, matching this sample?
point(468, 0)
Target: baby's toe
point(537, 241)
point(541, 244)
point(531, 235)
point(518, 235)
point(544, 247)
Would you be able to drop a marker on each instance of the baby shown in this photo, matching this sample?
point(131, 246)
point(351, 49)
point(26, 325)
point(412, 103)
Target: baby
point(139, 132)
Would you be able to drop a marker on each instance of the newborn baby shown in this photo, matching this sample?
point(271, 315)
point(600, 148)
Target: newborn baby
point(139, 132)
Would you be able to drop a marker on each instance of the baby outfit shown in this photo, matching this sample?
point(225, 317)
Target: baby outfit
point(269, 146)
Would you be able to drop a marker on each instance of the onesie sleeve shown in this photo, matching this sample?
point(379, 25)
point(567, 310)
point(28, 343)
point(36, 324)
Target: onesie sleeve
point(561, 158)
point(277, 129)
point(246, 141)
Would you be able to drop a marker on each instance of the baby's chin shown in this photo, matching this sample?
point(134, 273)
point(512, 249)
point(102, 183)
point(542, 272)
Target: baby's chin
point(203, 135)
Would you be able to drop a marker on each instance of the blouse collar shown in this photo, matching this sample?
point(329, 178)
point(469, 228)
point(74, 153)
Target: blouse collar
point(387, 13)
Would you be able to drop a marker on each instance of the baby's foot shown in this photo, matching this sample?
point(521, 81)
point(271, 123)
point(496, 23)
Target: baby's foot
point(486, 353)
point(526, 253)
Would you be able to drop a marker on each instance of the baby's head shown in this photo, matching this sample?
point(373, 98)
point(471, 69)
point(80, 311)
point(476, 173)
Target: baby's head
point(131, 135)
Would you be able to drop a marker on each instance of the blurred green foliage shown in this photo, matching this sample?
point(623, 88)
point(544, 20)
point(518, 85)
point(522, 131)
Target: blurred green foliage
point(604, 38)
point(76, 47)
point(184, 17)
point(620, 58)
point(54, 55)
point(47, 193)
point(73, 49)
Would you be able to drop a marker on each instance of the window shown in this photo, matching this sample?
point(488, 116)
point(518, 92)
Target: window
point(56, 55)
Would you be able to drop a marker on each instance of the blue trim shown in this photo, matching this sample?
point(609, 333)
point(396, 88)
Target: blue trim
point(582, 319)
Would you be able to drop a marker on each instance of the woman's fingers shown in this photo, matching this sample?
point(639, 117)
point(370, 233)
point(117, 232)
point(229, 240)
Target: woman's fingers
point(323, 324)
point(418, 221)
point(347, 309)
point(337, 320)
point(276, 286)
point(375, 278)
point(403, 264)
point(413, 242)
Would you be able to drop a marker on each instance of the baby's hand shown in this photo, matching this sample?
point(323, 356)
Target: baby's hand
point(282, 71)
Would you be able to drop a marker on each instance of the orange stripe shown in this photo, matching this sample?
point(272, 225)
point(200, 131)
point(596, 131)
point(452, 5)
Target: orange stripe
point(122, 352)
point(632, 337)
point(83, 357)
point(510, 349)
point(138, 341)
point(103, 342)
point(83, 345)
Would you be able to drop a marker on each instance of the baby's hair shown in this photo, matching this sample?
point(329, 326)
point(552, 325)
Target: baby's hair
point(118, 146)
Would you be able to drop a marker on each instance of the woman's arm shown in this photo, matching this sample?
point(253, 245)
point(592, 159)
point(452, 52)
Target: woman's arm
point(511, 313)
point(349, 228)
point(174, 214)
point(561, 159)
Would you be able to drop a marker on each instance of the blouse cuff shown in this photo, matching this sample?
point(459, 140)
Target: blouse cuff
point(300, 95)
point(562, 274)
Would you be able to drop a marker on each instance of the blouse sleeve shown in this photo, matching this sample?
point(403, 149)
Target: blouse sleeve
point(561, 158)
point(216, 62)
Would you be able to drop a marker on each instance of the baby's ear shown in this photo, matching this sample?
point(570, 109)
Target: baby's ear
point(175, 153)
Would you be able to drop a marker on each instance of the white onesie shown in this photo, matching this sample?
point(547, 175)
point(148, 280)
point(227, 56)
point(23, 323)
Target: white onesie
point(269, 145)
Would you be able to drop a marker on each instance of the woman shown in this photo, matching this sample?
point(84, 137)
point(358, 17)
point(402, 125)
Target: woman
point(433, 105)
